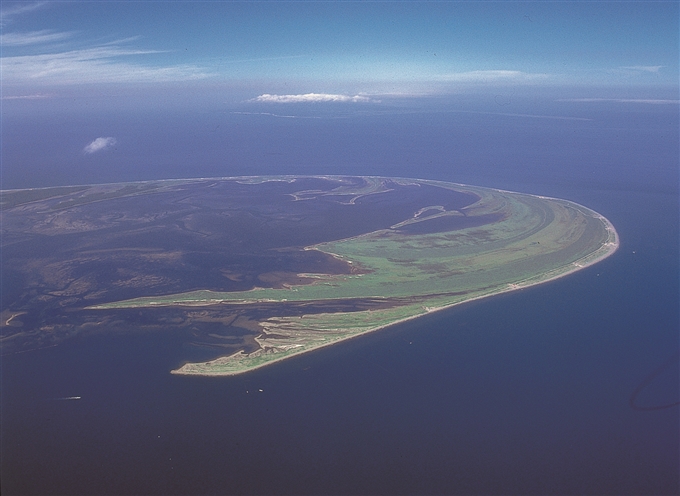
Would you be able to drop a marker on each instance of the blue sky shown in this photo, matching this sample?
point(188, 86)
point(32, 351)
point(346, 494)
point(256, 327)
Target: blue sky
point(347, 49)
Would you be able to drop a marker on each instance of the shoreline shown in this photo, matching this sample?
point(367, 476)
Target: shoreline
point(419, 287)
point(612, 247)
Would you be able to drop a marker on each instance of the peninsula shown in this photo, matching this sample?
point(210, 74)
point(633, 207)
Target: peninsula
point(261, 269)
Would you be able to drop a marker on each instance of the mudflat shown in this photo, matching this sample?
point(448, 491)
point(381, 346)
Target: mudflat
point(254, 270)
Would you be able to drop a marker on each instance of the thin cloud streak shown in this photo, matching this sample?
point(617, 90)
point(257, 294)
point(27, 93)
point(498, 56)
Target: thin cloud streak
point(7, 14)
point(121, 41)
point(310, 97)
point(645, 68)
point(32, 38)
point(533, 116)
point(91, 65)
point(269, 114)
point(99, 144)
point(651, 101)
point(491, 76)
point(37, 96)
point(263, 59)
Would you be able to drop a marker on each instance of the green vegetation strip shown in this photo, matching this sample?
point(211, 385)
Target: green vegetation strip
point(537, 239)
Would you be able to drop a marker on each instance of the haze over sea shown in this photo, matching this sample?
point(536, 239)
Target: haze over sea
point(569, 387)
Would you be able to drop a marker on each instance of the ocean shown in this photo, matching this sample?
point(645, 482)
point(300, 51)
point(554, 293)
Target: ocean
point(523, 393)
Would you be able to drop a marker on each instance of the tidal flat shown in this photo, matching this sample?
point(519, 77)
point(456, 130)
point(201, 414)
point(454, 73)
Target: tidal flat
point(259, 269)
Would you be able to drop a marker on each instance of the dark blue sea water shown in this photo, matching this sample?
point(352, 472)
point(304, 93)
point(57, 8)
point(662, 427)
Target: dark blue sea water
point(525, 393)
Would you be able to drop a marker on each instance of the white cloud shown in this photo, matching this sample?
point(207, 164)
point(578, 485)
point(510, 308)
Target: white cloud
point(32, 38)
point(622, 100)
point(644, 68)
point(492, 76)
point(310, 97)
point(92, 65)
point(99, 144)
